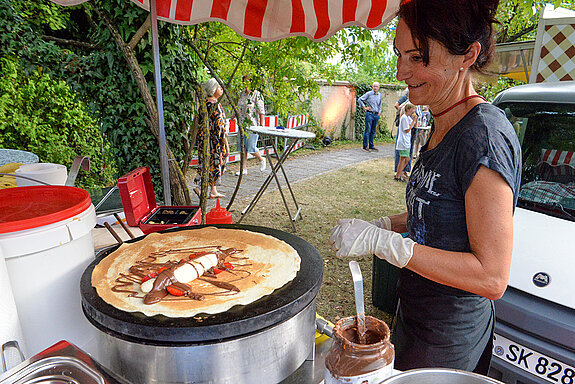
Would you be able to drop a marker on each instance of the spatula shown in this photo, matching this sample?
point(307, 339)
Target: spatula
point(359, 307)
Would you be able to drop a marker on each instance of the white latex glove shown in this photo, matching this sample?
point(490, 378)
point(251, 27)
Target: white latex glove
point(357, 237)
point(382, 222)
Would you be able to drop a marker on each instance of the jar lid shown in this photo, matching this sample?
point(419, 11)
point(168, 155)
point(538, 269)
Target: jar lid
point(30, 207)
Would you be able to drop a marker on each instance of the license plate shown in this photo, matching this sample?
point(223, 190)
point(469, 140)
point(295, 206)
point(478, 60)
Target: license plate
point(533, 362)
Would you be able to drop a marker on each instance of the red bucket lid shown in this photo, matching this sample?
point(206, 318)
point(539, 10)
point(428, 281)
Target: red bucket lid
point(32, 207)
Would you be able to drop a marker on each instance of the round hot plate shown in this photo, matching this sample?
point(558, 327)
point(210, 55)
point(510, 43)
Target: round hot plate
point(240, 320)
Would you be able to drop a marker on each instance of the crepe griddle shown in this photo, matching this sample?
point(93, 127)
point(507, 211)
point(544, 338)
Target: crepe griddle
point(238, 321)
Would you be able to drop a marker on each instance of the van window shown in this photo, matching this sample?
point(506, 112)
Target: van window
point(547, 135)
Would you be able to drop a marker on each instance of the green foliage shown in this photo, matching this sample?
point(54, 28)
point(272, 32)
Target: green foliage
point(519, 18)
point(284, 71)
point(368, 56)
point(41, 115)
point(100, 75)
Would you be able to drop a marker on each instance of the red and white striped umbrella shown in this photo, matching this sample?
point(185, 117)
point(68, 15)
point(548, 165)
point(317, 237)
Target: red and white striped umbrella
point(269, 20)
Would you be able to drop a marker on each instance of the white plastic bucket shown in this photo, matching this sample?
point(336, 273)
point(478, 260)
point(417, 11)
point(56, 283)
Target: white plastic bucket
point(46, 253)
point(10, 329)
point(53, 174)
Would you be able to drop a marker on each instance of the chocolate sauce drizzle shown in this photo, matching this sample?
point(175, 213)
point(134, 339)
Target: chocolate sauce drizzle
point(129, 282)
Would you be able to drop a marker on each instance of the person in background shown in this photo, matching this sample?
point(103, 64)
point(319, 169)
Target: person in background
point(252, 110)
point(218, 148)
point(423, 132)
point(460, 197)
point(407, 123)
point(404, 99)
point(371, 103)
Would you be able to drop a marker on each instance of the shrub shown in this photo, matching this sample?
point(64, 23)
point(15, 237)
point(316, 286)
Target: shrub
point(42, 116)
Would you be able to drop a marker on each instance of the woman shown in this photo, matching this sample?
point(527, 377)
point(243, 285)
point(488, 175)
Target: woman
point(460, 196)
point(219, 149)
point(407, 122)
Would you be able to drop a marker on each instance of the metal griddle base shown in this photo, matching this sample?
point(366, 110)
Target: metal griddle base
point(311, 371)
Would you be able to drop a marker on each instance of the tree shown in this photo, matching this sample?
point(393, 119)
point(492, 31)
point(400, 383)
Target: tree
point(518, 18)
point(103, 51)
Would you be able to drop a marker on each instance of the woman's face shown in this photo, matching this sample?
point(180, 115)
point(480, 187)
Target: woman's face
point(219, 92)
point(436, 84)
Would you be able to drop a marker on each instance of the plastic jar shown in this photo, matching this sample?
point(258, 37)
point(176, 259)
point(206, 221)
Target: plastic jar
point(352, 363)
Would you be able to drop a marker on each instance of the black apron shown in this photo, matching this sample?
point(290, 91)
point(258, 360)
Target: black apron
point(436, 328)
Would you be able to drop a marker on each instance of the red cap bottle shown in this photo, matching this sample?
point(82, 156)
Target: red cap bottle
point(219, 215)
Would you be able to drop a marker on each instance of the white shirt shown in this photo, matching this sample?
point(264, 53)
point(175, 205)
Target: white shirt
point(403, 137)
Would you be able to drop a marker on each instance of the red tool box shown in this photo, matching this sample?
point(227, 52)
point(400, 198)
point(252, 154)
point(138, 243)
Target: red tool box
point(139, 202)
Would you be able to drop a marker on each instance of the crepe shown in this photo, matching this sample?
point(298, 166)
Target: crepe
point(261, 265)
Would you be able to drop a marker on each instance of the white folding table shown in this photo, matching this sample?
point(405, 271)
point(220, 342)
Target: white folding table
point(292, 136)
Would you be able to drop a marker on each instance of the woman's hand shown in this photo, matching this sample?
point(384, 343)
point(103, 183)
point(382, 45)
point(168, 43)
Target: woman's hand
point(357, 237)
point(382, 222)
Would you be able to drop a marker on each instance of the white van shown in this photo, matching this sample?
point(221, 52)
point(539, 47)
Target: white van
point(535, 320)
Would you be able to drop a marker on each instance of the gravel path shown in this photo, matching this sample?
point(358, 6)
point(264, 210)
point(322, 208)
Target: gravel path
point(297, 169)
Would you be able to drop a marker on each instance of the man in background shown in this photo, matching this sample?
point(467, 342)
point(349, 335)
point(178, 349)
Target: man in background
point(371, 103)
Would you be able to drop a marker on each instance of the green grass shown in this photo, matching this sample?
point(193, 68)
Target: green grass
point(365, 191)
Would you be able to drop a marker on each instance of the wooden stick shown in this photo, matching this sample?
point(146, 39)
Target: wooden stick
point(111, 230)
point(124, 226)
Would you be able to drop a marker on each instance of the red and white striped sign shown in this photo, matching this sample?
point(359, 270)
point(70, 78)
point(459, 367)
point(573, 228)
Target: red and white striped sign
point(233, 126)
point(271, 121)
point(297, 121)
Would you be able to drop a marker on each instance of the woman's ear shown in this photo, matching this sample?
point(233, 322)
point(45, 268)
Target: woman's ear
point(471, 55)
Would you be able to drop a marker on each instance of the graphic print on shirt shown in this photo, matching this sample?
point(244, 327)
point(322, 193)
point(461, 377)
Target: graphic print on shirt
point(421, 183)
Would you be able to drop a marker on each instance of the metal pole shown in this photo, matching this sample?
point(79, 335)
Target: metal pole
point(160, 103)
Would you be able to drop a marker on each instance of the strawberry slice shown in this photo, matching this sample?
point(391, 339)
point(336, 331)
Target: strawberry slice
point(195, 255)
point(149, 276)
point(175, 291)
point(220, 270)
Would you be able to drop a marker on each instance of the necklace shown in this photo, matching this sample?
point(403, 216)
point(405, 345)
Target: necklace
point(456, 104)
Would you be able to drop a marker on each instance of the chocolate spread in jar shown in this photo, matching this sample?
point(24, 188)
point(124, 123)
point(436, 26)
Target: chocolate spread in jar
point(350, 362)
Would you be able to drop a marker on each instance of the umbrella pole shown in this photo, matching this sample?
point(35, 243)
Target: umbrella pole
point(160, 103)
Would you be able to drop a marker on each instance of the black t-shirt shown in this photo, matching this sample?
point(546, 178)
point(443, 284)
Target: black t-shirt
point(441, 176)
point(440, 325)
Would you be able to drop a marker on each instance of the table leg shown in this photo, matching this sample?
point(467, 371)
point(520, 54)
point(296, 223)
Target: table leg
point(273, 174)
point(294, 218)
point(264, 186)
point(279, 165)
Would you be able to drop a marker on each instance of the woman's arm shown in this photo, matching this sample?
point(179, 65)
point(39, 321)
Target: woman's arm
point(485, 270)
point(399, 222)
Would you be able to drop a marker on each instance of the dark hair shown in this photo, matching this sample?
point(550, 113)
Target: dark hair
point(456, 24)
